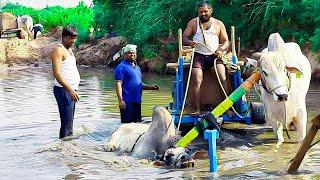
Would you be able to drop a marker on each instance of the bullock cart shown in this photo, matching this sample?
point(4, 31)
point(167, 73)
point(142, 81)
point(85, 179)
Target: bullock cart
point(212, 92)
point(213, 105)
point(9, 25)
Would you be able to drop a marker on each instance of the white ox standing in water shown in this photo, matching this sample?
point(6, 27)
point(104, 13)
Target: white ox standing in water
point(148, 140)
point(285, 79)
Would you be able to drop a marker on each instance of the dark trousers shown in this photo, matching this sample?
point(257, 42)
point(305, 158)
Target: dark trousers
point(36, 30)
point(132, 113)
point(66, 110)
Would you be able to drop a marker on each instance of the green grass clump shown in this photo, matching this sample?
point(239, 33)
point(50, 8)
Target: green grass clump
point(81, 17)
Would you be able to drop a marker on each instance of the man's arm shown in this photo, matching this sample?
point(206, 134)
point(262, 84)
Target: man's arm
point(56, 57)
point(150, 87)
point(189, 32)
point(223, 39)
point(118, 85)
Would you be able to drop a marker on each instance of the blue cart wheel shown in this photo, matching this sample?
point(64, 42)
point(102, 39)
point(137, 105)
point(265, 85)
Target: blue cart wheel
point(257, 113)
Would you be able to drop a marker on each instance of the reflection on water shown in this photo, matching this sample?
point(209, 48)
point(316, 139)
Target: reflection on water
point(149, 98)
point(29, 125)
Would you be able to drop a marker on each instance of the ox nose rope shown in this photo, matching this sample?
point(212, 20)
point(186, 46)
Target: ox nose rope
point(264, 85)
point(268, 90)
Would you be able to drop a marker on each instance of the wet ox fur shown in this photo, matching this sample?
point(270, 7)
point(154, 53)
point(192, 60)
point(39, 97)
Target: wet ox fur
point(155, 138)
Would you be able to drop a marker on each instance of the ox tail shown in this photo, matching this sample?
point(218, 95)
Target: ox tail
point(287, 132)
point(286, 118)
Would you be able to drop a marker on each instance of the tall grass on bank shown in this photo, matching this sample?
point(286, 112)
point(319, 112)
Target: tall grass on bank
point(145, 21)
point(296, 20)
point(81, 17)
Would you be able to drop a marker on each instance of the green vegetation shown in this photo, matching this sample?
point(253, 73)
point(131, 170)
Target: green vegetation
point(145, 22)
point(81, 17)
point(148, 23)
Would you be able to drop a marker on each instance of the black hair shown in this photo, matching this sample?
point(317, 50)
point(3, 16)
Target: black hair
point(203, 3)
point(69, 31)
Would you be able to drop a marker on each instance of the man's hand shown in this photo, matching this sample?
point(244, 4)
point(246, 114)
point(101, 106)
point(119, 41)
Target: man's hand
point(74, 95)
point(122, 104)
point(155, 87)
point(219, 54)
point(192, 44)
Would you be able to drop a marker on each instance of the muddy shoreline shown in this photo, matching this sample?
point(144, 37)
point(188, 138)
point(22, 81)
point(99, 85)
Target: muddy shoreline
point(16, 52)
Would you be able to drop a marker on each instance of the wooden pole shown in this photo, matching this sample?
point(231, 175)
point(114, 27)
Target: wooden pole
point(180, 42)
point(305, 145)
point(238, 54)
point(233, 43)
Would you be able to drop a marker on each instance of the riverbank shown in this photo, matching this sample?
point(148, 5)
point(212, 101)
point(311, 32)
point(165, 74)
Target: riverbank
point(14, 52)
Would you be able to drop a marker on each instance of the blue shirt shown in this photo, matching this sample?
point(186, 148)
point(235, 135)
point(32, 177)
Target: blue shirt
point(131, 81)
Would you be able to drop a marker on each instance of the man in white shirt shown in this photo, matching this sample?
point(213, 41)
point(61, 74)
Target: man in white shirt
point(67, 80)
point(211, 32)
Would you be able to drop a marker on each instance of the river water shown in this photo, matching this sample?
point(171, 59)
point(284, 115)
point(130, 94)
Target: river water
point(30, 148)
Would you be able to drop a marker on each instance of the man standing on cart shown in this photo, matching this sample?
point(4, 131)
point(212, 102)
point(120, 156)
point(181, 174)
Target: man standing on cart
point(209, 38)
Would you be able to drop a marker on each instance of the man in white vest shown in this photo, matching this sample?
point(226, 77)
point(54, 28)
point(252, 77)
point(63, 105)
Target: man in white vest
point(67, 80)
point(200, 32)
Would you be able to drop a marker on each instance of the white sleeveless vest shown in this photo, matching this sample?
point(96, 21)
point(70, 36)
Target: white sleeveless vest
point(69, 71)
point(211, 36)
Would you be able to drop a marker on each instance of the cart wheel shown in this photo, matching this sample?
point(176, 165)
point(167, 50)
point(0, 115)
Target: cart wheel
point(258, 113)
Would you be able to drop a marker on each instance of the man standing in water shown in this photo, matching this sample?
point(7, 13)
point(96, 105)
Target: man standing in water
point(67, 80)
point(129, 86)
point(207, 30)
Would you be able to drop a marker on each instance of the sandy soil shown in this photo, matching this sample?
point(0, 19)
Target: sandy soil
point(14, 51)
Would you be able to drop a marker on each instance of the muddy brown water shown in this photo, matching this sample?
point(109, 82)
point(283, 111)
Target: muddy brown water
point(30, 148)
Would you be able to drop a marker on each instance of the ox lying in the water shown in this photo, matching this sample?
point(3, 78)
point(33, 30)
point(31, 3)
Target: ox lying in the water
point(146, 141)
point(285, 78)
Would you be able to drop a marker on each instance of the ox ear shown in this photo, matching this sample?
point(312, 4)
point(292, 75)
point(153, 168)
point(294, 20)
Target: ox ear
point(294, 70)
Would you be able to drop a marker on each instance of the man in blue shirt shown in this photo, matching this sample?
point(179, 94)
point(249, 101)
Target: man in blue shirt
point(129, 86)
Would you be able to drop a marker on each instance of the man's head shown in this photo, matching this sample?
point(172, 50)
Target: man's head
point(130, 52)
point(69, 36)
point(204, 10)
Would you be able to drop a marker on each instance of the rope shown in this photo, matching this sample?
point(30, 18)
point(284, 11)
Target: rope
point(314, 143)
point(224, 91)
point(187, 90)
point(219, 80)
point(308, 148)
